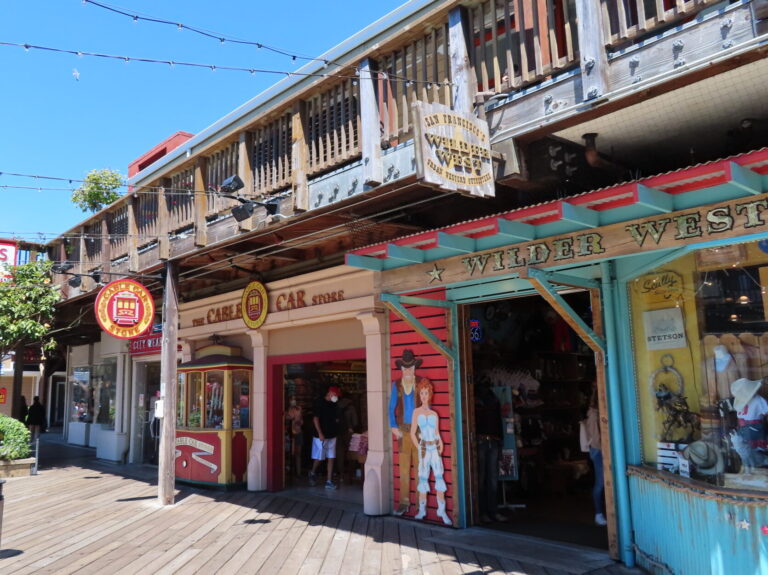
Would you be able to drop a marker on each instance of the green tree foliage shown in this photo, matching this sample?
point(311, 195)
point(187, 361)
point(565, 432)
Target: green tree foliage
point(27, 306)
point(15, 438)
point(98, 190)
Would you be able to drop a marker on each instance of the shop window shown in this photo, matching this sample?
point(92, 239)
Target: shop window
point(80, 380)
point(103, 378)
point(207, 399)
point(700, 334)
point(195, 399)
point(240, 398)
point(181, 400)
point(94, 393)
point(214, 399)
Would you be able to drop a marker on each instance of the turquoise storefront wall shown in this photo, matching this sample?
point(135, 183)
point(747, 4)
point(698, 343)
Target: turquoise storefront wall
point(683, 531)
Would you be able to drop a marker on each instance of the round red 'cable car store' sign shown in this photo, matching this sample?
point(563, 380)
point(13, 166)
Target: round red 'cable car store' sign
point(125, 309)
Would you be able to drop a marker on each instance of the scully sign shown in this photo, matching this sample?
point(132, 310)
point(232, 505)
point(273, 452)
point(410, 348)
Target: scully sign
point(453, 150)
point(124, 309)
point(718, 221)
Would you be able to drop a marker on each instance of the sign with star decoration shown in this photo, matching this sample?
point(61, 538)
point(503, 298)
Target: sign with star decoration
point(435, 274)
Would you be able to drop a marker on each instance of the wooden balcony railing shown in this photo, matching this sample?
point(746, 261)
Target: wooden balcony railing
point(625, 20)
point(517, 42)
point(218, 167)
point(272, 155)
point(145, 208)
point(333, 125)
point(420, 70)
point(117, 228)
point(180, 200)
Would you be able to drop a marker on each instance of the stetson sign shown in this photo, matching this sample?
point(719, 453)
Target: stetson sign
point(453, 150)
point(125, 309)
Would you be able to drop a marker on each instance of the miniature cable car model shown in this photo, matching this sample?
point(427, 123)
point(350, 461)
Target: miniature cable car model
point(213, 429)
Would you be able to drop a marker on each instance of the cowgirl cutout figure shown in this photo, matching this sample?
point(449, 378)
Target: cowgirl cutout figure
point(429, 447)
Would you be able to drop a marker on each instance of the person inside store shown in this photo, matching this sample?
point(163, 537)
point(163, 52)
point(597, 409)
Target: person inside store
point(349, 423)
point(401, 404)
point(23, 410)
point(488, 431)
point(425, 436)
point(36, 418)
point(326, 421)
point(295, 418)
point(592, 427)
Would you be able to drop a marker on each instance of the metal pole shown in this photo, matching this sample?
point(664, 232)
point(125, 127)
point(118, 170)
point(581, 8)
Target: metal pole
point(37, 455)
point(166, 460)
point(2, 505)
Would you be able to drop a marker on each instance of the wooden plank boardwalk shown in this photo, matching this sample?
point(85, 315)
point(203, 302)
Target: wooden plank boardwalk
point(92, 517)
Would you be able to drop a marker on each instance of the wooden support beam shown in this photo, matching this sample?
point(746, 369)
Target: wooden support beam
point(565, 279)
point(201, 203)
point(401, 311)
point(163, 227)
point(133, 236)
point(245, 171)
point(462, 73)
point(300, 158)
point(106, 246)
point(510, 163)
point(594, 58)
point(539, 281)
point(80, 264)
point(370, 125)
point(166, 460)
point(605, 434)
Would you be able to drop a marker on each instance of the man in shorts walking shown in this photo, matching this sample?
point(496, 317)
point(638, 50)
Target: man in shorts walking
point(326, 419)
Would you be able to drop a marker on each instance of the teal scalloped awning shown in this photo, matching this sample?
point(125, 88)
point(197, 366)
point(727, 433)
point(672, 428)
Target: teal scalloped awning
point(736, 177)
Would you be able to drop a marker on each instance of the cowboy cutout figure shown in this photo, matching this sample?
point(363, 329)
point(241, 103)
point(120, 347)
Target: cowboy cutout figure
point(402, 402)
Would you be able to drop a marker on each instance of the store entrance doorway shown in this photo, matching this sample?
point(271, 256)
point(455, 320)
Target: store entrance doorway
point(303, 386)
point(147, 425)
point(533, 380)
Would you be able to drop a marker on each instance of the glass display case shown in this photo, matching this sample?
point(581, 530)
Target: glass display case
point(213, 434)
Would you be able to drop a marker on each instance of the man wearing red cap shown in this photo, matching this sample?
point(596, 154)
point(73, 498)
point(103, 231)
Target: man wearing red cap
point(326, 419)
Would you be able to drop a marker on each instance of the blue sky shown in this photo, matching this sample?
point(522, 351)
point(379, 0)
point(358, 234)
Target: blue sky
point(58, 122)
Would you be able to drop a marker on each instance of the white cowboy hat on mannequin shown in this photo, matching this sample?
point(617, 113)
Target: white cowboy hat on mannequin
point(706, 457)
point(744, 390)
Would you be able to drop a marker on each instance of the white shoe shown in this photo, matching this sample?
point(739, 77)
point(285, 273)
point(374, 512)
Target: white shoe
point(600, 519)
point(442, 514)
point(422, 511)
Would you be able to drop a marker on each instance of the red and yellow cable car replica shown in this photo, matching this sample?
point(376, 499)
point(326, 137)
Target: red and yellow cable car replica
point(213, 428)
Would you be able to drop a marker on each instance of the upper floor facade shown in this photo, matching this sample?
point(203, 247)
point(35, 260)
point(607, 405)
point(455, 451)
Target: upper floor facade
point(577, 95)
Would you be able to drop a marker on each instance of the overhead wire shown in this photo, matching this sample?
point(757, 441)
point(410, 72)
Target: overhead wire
point(136, 17)
point(213, 67)
point(131, 189)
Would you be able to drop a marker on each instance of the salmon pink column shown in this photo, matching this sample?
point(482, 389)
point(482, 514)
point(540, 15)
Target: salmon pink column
point(377, 487)
point(257, 458)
